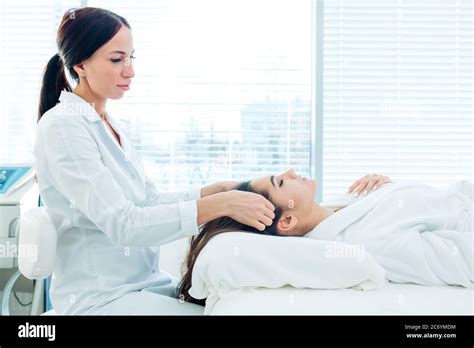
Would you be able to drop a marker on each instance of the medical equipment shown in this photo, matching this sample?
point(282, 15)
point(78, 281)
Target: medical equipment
point(18, 194)
point(37, 237)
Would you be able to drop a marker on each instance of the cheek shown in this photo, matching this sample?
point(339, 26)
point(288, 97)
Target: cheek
point(293, 196)
point(281, 200)
point(106, 79)
point(111, 75)
point(300, 195)
point(289, 199)
point(106, 74)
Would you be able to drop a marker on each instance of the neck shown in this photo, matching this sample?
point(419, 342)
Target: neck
point(319, 213)
point(83, 91)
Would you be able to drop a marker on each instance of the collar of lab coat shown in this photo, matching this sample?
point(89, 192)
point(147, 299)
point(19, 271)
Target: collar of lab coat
point(75, 103)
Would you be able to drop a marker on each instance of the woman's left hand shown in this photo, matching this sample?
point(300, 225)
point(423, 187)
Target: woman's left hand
point(368, 183)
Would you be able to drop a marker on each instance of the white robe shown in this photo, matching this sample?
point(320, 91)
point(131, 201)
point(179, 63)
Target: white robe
point(418, 233)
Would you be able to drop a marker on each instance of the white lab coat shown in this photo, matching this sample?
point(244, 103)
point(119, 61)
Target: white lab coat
point(418, 233)
point(109, 216)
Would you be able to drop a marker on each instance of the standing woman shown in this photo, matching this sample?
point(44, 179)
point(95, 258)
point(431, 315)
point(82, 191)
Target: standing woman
point(110, 218)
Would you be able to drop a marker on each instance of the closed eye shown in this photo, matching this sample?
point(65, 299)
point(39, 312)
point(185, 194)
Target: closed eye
point(281, 183)
point(116, 60)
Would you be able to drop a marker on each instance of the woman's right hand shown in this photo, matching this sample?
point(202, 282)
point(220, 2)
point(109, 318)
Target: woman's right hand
point(250, 208)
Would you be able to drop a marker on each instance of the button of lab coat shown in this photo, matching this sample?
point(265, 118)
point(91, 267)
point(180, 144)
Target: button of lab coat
point(132, 176)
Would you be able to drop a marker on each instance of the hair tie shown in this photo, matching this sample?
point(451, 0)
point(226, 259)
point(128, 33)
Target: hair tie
point(59, 57)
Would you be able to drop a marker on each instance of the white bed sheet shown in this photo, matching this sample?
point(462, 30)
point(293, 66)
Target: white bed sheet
point(393, 299)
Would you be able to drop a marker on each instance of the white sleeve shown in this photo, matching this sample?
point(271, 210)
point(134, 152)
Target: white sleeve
point(75, 168)
point(154, 197)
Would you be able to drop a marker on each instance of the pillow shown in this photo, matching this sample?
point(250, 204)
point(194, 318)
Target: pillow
point(240, 259)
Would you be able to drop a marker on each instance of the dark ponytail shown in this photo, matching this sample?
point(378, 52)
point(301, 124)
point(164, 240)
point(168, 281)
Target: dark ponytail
point(82, 32)
point(54, 81)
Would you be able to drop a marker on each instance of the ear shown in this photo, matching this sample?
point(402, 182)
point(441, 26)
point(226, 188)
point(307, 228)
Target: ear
point(79, 69)
point(287, 224)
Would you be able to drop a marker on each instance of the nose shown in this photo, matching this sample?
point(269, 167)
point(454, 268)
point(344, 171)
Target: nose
point(128, 71)
point(290, 173)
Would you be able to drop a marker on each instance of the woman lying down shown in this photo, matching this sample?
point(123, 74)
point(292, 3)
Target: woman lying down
point(418, 233)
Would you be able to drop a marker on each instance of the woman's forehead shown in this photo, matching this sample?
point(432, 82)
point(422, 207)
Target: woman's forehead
point(121, 41)
point(262, 183)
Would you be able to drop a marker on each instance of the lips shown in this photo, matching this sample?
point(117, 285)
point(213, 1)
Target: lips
point(124, 87)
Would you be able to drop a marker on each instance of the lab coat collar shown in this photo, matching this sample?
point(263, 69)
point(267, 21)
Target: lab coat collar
point(126, 148)
point(75, 104)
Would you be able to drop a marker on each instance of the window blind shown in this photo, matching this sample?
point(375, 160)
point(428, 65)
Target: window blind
point(222, 88)
point(27, 42)
point(397, 91)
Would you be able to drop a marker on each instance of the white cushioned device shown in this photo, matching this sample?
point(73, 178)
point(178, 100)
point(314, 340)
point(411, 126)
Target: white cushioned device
point(36, 244)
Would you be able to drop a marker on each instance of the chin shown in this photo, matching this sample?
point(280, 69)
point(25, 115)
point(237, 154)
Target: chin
point(116, 96)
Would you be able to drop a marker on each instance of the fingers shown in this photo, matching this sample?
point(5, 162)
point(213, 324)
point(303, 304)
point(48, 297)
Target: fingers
point(379, 183)
point(264, 214)
point(360, 189)
point(365, 184)
point(252, 209)
point(268, 204)
point(359, 184)
point(383, 180)
point(372, 181)
point(362, 185)
point(269, 213)
point(266, 220)
point(368, 183)
point(353, 186)
point(267, 216)
point(259, 226)
point(259, 223)
point(261, 199)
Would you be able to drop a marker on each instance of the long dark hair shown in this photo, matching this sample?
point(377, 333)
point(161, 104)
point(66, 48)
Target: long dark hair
point(82, 32)
point(213, 228)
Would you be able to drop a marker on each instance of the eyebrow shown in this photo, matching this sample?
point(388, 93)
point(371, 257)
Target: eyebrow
point(121, 52)
point(273, 182)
